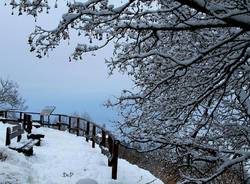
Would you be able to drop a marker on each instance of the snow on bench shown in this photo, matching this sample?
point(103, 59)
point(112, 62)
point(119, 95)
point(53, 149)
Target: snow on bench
point(25, 147)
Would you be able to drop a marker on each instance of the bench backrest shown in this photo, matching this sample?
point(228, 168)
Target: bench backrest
point(15, 131)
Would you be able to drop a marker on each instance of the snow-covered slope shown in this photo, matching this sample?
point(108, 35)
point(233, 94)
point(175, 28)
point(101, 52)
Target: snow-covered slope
point(64, 158)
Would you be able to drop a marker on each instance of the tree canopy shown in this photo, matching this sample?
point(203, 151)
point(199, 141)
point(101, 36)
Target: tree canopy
point(9, 95)
point(190, 64)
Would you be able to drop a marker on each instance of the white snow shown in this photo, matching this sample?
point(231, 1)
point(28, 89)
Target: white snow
point(64, 158)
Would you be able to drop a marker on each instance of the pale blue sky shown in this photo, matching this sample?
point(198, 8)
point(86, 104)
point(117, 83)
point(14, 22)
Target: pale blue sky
point(82, 87)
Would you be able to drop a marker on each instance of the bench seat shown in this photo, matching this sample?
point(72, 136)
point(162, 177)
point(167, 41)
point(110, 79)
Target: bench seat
point(24, 147)
point(37, 137)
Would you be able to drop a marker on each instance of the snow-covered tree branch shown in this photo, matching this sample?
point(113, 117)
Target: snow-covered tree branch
point(190, 63)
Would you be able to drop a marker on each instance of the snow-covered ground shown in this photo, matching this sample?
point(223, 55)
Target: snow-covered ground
point(64, 158)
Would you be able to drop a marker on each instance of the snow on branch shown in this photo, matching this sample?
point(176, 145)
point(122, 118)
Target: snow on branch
point(189, 61)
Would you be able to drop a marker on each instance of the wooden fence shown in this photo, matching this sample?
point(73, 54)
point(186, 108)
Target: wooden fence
point(76, 125)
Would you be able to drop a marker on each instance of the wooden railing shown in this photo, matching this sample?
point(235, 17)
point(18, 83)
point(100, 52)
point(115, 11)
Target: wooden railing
point(80, 126)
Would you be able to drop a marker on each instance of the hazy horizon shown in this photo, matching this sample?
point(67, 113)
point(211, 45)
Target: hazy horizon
point(81, 86)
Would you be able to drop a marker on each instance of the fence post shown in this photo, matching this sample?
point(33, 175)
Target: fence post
point(20, 117)
point(24, 121)
point(78, 126)
point(93, 136)
point(5, 114)
point(8, 136)
point(29, 123)
point(115, 159)
point(41, 120)
point(49, 121)
point(59, 125)
point(59, 122)
point(110, 144)
point(20, 136)
point(69, 124)
point(103, 142)
point(87, 132)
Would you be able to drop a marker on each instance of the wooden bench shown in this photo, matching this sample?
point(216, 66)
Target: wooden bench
point(26, 147)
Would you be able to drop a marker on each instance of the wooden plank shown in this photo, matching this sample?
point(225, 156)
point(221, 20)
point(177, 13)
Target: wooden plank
point(78, 126)
point(48, 121)
point(59, 125)
point(24, 120)
point(5, 114)
point(29, 123)
point(59, 118)
point(115, 159)
point(8, 139)
point(20, 116)
point(1, 113)
point(64, 124)
point(16, 133)
point(87, 132)
point(46, 124)
point(42, 120)
point(69, 124)
point(110, 147)
point(26, 146)
point(103, 142)
point(21, 146)
point(30, 144)
point(15, 128)
point(10, 121)
point(93, 136)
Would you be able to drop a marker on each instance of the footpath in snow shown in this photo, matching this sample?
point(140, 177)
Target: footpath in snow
point(64, 158)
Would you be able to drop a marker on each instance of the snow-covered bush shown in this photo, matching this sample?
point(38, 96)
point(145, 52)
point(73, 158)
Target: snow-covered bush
point(3, 156)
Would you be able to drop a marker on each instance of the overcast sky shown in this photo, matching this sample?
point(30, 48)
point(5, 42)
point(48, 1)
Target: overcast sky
point(72, 87)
